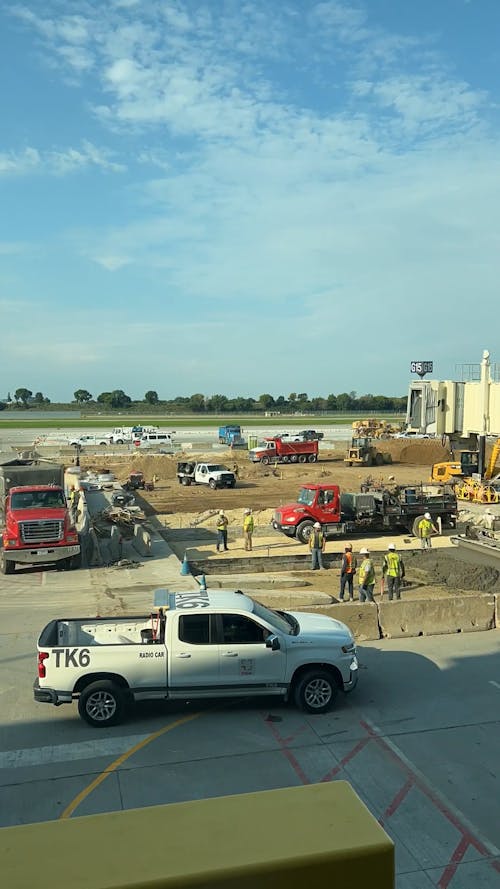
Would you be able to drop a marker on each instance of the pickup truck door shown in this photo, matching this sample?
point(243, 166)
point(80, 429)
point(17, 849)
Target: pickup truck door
point(245, 661)
point(193, 655)
point(201, 473)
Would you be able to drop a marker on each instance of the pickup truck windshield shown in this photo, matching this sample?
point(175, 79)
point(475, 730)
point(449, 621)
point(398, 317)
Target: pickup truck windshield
point(37, 500)
point(217, 467)
point(275, 619)
point(306, 496)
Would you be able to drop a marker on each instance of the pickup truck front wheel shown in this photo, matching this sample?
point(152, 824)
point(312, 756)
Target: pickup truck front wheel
point(315, 691)
point(102, 703)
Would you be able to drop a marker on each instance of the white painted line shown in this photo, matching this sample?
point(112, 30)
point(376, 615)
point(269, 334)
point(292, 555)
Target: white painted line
point(496, 684)
point(43, 756)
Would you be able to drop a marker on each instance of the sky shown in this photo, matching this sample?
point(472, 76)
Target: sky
point(238, 196)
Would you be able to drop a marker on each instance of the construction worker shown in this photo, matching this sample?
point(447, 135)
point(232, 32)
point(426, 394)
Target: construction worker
point(347, 572)
point(222, 523)
point(366, 577)
point(248, 525)
point(317, 546)
point(393, 571)
point(426, 528)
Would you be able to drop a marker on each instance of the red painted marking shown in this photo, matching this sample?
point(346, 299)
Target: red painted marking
point(467, 836)
point(289, 755)
point(398, 799)
point(352, 753)
point(451, 868)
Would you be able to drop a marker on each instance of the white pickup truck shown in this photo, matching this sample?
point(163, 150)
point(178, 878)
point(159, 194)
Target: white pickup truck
point(214, 474)
point(201, 645)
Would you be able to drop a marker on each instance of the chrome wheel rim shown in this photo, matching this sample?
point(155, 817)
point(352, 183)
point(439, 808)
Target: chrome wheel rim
point(318, 693)
point(101, 706)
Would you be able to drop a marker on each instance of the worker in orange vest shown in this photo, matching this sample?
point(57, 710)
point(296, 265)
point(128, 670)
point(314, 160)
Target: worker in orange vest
point(347, 572)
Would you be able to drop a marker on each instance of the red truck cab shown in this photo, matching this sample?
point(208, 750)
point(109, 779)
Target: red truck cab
point(315, 503)
point(38, 528)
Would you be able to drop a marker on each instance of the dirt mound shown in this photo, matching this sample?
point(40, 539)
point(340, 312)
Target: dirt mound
point(457, 574)
point(425, 451)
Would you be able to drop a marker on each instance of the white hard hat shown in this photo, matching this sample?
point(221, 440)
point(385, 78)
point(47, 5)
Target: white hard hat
point(348, 546)
point(317, 524)
point(391, 546)
point(427, 515)
point(364, 552)
point(221, 512)
point(248, 511)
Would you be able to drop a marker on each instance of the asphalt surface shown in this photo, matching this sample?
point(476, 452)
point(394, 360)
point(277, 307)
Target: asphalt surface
point(418, 739)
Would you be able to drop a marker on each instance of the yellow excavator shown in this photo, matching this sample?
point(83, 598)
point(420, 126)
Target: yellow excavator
point(486, 489)
point(462, 472)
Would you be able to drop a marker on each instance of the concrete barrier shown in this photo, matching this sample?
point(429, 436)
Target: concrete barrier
point(291, 600)
point(362, 619)
point(429, 617)
point(142, 541)
point(115, 544)
point(261, 564)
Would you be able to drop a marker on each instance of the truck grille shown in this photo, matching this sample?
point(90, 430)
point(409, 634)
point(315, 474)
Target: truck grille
point(41, 531)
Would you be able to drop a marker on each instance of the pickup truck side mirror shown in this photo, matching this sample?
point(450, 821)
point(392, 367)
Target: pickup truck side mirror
point(273, 643)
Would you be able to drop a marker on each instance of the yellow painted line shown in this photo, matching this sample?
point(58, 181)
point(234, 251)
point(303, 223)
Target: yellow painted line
point(68, 811)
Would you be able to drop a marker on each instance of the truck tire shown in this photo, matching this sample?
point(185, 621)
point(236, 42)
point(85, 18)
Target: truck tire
point(185, 481)
point(302, 458)
point(304, 530)
point(315, 691)
point(367, 460)
point(6, 565)
point(265, 461)
point(294, 458)
point(213, 484)
point(285, 459)
point(119, 441)
point(232, 484)
point(102, 703)
point(313, 458)
point(379, 459)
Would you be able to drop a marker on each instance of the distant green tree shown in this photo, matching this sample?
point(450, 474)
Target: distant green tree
point(82, 396)
point(9, 396)
point(119, 399)
point(104, 398)
point(23, 395)
point(292, 398)
point(331, 402)
point(197, 402)
point(265, 401)
point(217, 403)
point(344, 402)
point(151, 397)
point(38, 398)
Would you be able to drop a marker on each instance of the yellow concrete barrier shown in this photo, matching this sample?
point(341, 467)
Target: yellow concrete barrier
point(318, 836)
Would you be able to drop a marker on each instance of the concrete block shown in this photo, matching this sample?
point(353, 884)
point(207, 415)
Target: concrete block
point(142, 541)
point(361, 618)
point(428, 617)
point(290, 600)
point(115, 544)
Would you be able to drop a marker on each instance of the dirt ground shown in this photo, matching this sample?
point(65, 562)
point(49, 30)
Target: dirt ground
point(263, 488)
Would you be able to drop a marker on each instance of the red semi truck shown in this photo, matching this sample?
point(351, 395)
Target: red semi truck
point(374, 510)
point(37, 527)
point(275, 450)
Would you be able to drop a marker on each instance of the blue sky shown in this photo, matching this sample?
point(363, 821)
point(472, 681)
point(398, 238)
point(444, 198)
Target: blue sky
point(247, 197)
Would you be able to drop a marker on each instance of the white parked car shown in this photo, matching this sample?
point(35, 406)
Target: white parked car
point(202, 645)
point(154, 440)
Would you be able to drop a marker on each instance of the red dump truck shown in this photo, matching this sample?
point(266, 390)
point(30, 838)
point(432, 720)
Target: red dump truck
point(376, 510)
point(36, 523)
point(276, 450)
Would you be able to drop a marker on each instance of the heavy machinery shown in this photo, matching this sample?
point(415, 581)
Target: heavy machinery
point(373, 428)
point(475, 488)
point(465, 465)
point(362, 452)
point(136, 482)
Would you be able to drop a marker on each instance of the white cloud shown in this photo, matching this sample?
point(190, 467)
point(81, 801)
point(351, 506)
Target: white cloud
point(57, 162)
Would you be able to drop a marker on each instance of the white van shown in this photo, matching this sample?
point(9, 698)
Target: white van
point(154, 440)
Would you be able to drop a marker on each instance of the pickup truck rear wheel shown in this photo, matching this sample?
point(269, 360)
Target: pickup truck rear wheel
point(102, 703)
point(315, 691)
point(6, 565)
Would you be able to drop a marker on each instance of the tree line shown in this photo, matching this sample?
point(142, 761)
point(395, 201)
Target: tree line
point(216, 404)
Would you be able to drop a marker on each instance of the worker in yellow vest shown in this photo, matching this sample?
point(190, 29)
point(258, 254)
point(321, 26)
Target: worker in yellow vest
point(222, 523)
point(393, 571)
point(366, 577)
point(426, 528)
point(317, 543)
point(248, 526)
